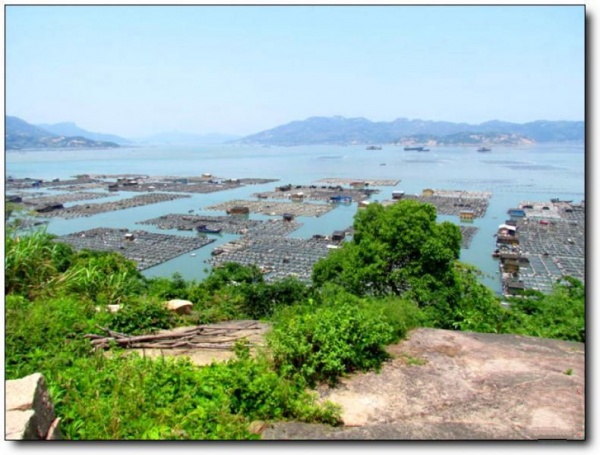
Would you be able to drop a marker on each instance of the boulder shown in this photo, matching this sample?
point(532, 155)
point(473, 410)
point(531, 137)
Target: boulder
point(29, 410)
point(179, 306)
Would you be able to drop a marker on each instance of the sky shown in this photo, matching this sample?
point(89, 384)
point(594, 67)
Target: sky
point(141, 70)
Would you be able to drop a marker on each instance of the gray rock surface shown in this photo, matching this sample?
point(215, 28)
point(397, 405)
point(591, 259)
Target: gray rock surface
point(447, 385)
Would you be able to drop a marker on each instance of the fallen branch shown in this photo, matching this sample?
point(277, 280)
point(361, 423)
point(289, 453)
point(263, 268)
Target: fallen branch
point(200, 337)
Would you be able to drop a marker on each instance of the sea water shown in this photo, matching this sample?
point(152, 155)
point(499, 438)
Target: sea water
point(511, 174)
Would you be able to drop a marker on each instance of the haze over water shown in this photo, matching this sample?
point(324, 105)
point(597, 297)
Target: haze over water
point(511, 174)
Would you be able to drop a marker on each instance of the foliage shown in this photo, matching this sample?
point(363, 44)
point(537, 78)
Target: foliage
point(129, 397)
point(395, 249)
point(466, 304)
point(232, 273)
point(103, 277)
point(139, 316)
point(323, 342)
point(559, 315)
point(32, 261)
point(262, 299)
point(168, 288)
point(43, 335)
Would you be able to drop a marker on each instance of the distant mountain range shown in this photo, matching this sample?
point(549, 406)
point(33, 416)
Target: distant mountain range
point(21, 135)
point(315, 130)
point(341, 130)
point(71, 129)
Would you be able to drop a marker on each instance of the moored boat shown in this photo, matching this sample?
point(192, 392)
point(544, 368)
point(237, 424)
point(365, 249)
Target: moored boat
point(202, 228)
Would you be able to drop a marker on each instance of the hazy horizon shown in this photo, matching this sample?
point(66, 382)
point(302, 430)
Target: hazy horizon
point(137, 71)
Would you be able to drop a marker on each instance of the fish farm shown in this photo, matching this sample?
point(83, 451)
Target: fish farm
point(545, 244)
point(230, 224)
point(145, 248)
point(83, 210)
point(275, 208)
point(451, 202)
point(317, 193)
point(277, 257)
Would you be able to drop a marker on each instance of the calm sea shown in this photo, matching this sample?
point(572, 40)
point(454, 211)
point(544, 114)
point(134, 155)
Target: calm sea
point(512, 174)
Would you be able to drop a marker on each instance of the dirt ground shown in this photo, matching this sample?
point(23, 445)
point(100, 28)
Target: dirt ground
point(252, 331)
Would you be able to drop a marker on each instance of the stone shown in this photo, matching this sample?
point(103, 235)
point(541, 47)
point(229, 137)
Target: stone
point(54, 433)
point(257, 427)
point(20, 425)
point(29, 394)
point(180, 306)
point(451, 385)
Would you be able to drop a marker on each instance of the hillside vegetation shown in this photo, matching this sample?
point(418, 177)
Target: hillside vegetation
point(400, 271)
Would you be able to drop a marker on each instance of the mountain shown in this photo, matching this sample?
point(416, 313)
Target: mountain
point(21, 135)
point(71, 129)
point(341, 130)
point(177, 138)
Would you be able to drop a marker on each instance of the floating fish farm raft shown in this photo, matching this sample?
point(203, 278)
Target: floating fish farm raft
point(453, 202)
point(275, 208)
point(277, 257)
point(40, 202)
point(359, 182)
point(230, 224)
point(145, 248)
point(83, 210)
point(317, 193)
point(547, 244)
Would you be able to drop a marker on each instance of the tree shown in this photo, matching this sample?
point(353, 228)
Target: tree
point(396, 250)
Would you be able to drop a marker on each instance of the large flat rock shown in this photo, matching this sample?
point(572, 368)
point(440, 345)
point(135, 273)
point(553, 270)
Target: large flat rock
point(447, 385)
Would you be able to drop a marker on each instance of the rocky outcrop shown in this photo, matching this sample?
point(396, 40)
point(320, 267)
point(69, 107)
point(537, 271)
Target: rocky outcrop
point(446, 385)
point(29, 411)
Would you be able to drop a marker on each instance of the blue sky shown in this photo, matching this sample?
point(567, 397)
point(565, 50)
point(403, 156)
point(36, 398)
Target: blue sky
point(141, 70)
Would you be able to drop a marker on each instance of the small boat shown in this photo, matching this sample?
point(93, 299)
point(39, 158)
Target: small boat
point(206, 230)
point(374, 147)
point(418, 149)
point(484, 149)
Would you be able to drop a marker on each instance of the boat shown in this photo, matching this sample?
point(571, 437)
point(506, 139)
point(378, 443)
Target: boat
point(484, 149)
point(206, 230)
point(341, 199)
point(417, 148)
point(374, 147)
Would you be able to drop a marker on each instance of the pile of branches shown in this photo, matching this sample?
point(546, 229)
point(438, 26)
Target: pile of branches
point(199, 337)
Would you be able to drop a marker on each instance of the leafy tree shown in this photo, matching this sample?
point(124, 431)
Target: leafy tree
point(395, 249)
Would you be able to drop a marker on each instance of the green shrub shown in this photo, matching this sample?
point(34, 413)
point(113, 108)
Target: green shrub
point(323, 342)
point(32, 261)
point(139, 316)
point(126, 397)
point(104, 278)
point(43, 335)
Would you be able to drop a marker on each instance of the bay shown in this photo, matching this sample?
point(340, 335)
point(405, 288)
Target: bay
point(512, 174)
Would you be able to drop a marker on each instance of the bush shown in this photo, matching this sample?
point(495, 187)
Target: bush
point(140, 316)
point(32, 261)
point(323, 342)
point(129, 397)
point(44, 335)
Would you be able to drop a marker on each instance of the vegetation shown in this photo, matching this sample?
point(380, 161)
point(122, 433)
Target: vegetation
point(400, 271)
